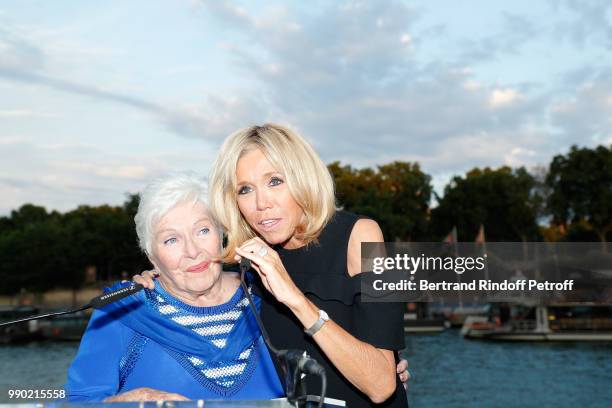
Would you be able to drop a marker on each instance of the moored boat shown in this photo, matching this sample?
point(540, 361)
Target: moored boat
point(555, 322)
point(18, 332)
point(66, 327)
point(419, 319)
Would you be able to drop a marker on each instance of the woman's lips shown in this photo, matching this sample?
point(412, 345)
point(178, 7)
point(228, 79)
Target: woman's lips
point(199, 267)
point(269, 224)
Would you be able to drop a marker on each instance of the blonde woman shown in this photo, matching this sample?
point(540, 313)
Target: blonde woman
point(275, 198)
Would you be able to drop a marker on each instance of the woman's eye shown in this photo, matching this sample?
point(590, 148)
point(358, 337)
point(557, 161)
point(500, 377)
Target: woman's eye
point(275, 181)
point(170, 241)
point(244, 190)
point(204, 231)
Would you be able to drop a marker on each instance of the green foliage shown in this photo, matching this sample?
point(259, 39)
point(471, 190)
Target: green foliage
point(397, 195)
point(581, 185)
point(502, 200)
point(40, 250)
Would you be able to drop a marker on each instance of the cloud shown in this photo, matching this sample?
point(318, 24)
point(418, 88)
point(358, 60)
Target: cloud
point(365, 82)
point(60, 176)
point(24, 114)
point(347, 86)
point(584, 22)
point(514, 32)
point(17, 53)
point(360, 95)
point(214, 117)
point(501, 97)
point(586, 113)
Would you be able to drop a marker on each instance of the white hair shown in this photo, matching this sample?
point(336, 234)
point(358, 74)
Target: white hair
point(161, 195)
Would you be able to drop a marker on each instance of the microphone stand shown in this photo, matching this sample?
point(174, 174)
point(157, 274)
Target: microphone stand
point(296, 362)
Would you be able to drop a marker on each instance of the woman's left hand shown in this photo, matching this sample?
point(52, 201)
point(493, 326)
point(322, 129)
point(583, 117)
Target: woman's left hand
point(402, 371)
point(270, 268)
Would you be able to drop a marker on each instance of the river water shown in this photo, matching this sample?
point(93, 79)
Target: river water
point(448, 371)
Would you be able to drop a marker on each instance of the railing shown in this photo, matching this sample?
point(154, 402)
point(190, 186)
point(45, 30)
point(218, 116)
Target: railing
point(524, 325)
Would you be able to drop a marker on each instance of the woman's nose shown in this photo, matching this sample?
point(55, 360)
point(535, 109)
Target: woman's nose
point(191, 249)
point(262, 200)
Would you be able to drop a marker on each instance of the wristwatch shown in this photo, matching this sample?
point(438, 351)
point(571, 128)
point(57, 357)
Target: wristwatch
point(323, 317)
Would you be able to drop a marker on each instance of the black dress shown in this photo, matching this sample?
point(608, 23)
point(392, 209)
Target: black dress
point(320, 271)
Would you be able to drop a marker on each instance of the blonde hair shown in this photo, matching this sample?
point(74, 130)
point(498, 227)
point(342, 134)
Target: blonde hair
point(307, 178)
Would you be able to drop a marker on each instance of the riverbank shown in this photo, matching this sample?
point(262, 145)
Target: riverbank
point(54, 299)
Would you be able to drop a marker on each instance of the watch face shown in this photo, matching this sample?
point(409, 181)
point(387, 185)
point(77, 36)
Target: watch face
point(324, 315)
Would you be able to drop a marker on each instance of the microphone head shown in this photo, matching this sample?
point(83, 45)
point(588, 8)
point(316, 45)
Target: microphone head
point(110, 297)
point(310, 366)
point(245, 264)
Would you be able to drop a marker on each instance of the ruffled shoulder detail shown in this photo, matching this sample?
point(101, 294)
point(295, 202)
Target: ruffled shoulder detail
point(344, 289)
point(341, 288)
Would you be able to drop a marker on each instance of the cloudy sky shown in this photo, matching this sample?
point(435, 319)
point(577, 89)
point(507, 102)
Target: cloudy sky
point(98, 97)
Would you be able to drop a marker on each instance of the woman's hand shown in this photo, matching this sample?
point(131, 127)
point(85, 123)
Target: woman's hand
point(270, 268)
point(402, 371)
point(146, 279)
point(145, 394)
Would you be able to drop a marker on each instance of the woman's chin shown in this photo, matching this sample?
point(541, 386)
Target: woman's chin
point(200, 282)
point(273, 237)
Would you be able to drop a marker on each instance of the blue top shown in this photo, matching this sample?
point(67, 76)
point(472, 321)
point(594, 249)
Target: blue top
point(153, 340)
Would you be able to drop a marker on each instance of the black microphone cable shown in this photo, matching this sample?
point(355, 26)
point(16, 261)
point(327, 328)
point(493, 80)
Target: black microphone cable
point(298, 358)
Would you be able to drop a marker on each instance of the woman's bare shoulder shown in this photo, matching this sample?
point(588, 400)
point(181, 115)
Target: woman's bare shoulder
point(364, 230)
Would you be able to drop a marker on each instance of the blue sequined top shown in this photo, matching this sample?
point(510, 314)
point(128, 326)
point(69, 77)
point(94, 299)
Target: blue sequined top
point(154, 340)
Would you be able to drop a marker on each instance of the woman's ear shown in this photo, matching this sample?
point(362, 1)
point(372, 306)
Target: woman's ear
point(154, 263)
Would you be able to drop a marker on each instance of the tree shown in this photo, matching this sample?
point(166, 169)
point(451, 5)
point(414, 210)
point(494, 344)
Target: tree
point(503, 200)
point(33, 251)
point(41, 250)
point(28, 214)
point(581, 185)
point(397, 196)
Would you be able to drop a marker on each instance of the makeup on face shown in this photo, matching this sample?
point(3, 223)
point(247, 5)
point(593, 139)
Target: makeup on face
point(265, 200)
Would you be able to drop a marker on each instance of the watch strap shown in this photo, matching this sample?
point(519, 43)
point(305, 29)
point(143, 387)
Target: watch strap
point(312, 330)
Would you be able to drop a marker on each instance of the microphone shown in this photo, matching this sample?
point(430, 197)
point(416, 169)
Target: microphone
point(97, 303)
point(296, 361)
point(245, 265)
point(110, 297)
point(309, 365)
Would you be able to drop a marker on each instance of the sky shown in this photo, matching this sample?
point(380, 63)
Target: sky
point(97, 98)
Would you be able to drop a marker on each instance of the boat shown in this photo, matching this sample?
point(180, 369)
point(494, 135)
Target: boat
point(419, 319)
point(458, 315)
point(554, 322)
point(66, 327)
point(19, 332)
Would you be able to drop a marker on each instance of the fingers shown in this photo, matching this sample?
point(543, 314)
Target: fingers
point(402, 370)
point(152, 274)
point(402, 366)
point(257, 246)
point(146, 279)
point(146, 394)
point(253, 246)
point(254, 257)
point(175, 397)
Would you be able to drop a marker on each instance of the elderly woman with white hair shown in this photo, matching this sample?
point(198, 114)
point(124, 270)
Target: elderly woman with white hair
point(194, 335)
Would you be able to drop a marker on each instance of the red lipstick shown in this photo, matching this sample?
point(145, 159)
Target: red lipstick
point(199, 267)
